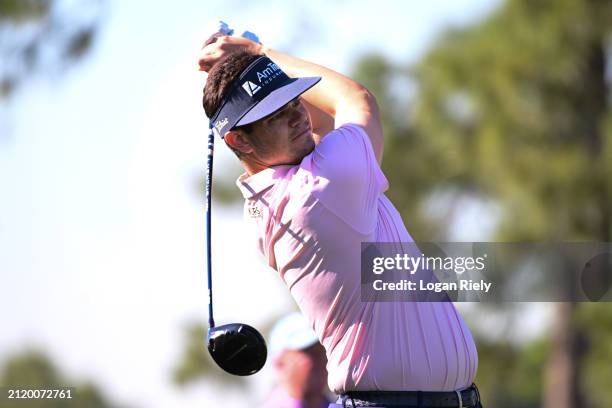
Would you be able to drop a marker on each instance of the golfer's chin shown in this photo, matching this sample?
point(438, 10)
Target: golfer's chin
point(304, 149)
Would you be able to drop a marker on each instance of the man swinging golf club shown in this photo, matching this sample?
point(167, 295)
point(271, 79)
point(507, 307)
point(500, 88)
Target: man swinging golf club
point(314, 191)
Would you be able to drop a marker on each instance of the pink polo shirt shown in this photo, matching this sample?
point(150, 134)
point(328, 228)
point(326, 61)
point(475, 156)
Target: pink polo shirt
point(309, 221)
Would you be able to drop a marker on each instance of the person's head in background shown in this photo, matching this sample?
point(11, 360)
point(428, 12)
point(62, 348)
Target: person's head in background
point(299, 358)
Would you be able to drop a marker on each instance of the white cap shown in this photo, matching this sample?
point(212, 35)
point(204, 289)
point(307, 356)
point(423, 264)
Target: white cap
point(292, 332)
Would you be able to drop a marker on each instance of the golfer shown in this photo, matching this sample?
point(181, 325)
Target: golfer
point(311, 144)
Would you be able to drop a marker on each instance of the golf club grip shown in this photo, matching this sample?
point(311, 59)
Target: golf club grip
point(211, 149)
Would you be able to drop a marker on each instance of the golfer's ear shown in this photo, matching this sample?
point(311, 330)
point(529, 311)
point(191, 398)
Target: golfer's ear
point(238, 141)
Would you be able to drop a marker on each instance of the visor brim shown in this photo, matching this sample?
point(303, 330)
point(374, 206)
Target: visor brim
point(278, 98)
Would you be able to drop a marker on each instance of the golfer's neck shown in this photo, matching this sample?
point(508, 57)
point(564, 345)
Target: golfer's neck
point(253, 167)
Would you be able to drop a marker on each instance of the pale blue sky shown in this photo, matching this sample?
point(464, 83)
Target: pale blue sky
point(101, 244)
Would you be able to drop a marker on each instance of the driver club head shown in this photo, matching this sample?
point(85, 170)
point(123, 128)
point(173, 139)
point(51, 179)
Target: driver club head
point(237, 348)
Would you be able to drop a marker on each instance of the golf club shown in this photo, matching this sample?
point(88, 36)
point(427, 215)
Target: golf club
point(237, 348)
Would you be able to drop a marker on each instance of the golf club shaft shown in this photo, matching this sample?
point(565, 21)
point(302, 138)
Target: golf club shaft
point(211, 144)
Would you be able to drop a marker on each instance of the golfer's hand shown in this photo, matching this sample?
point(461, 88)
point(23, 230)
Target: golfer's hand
point(219, 46)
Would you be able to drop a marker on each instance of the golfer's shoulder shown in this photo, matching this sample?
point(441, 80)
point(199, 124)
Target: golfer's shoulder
point(345, 152)
point(346, 176)
point(348, 135)
point(346, 180)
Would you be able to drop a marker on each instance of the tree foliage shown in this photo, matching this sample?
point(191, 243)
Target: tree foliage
point(43, 37)
point(32, 369)
point(518, 106)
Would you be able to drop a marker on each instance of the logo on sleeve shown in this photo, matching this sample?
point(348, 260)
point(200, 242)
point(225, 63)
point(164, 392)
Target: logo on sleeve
point(253, 210)
point(251, 88)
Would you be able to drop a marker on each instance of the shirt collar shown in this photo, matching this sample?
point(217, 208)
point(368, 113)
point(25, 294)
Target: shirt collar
point(252, 185)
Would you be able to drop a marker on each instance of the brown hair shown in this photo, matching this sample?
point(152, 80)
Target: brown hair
point(220, 79)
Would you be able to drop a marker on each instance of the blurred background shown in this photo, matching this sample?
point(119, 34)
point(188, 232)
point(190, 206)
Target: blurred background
point(498, 127)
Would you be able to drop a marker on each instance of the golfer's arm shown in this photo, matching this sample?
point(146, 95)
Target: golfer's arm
point(337, 95)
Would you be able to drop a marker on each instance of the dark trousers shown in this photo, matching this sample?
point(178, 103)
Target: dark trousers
point(340, 405)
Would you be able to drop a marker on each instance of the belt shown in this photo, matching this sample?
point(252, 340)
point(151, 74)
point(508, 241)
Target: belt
point(467, 398)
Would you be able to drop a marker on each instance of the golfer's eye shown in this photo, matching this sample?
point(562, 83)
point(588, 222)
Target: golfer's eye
point(294, 104)
point(276, 116)
point(279, 113)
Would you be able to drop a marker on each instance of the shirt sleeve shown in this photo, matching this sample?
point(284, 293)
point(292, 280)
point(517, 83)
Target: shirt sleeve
point(350, 180)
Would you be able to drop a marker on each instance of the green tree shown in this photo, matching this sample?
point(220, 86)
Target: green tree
point(43, 36)
point(34, 370)
point(511, 377)
point(596, 320)
point(514, 109)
